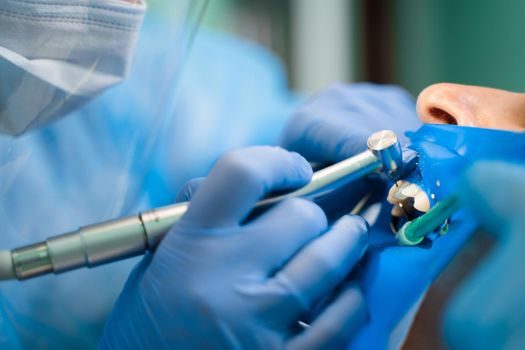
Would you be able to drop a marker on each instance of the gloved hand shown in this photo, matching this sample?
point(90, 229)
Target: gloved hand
point(487, 311)
point(216, 281)
point(336, 123)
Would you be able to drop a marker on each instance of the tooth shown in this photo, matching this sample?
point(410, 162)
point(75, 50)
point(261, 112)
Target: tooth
point(421, 202)
point(411, 190)
point(392, 197)
point(403, 190)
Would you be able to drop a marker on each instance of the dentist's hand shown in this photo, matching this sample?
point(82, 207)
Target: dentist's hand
point(336, 123)
point(487, 311)
point(216, 281)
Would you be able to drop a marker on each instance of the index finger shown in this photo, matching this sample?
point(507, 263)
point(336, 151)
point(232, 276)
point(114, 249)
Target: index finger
point(242, 177)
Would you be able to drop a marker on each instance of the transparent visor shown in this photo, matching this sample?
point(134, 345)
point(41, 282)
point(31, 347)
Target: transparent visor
point(87, 94)
point(88, 89)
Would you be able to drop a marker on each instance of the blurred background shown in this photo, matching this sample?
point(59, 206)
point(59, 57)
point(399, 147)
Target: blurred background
point(406, 42)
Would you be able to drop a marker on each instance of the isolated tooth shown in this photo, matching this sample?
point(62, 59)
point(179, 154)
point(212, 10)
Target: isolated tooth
point(421, 202)
point(406, 198)
point(411, 190)
point(395, 193)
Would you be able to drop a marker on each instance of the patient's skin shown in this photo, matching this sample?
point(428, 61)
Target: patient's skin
point(468, 105)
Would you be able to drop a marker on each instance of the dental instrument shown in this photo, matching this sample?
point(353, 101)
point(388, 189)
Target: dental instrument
point(123, 238)
point(413, 232)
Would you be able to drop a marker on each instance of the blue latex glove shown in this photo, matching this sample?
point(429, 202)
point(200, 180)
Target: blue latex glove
point(218, 282)
point(105, 160)
point(336, 123)
point(487, 311)
point(395, 278)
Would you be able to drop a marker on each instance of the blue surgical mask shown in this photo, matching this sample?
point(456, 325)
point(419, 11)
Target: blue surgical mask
point(56, 56)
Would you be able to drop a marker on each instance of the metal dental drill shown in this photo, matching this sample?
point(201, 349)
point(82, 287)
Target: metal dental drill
point(131, 236)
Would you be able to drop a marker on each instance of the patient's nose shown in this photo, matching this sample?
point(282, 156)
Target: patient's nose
point(468, 105)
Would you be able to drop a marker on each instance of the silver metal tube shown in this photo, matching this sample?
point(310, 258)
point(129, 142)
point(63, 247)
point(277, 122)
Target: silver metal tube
point(386, 147)
point(157, 222)
point(123, 238)
point(31, 261)
point(97, 244)
point(324, 180)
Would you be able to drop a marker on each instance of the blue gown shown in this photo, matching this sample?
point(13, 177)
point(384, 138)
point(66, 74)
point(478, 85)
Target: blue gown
point(125, 151)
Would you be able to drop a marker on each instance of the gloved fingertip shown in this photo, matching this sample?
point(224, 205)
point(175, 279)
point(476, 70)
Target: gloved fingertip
point(355, 225)
point(355, 221)
point(310, 212)
point(493, 191)
point(478, 181)
point(353, 289)
point(303, 166)
point(472, 174)
point(337, 323)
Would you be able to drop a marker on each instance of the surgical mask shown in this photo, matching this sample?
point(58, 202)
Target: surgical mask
point(57, 55)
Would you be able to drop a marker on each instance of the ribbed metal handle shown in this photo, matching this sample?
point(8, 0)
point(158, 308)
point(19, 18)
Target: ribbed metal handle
point(123, 238)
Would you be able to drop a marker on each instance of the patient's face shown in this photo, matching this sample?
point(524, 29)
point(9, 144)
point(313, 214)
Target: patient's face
point(468, 105)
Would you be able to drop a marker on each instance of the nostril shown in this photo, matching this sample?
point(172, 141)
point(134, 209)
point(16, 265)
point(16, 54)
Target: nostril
point(441, 116)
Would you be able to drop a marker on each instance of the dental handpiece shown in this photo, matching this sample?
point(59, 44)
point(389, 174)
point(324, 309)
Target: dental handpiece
point(126, 237)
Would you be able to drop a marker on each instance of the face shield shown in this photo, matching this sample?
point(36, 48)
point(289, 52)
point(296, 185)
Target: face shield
point(88, 88)
point(54, 58)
